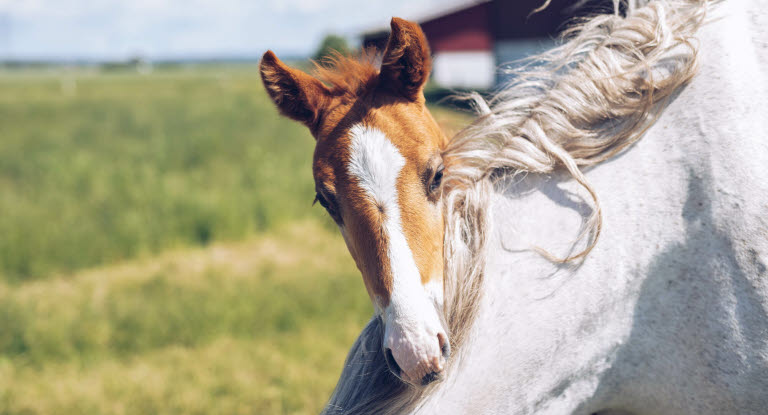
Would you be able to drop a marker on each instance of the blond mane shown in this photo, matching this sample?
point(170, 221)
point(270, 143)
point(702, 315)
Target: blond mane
point(574, 106)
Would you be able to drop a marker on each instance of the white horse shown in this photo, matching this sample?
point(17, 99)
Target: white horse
point(665, 313)
point(669, 312)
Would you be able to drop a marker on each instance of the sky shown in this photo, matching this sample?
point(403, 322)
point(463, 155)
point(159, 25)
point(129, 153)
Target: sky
point(163, 29)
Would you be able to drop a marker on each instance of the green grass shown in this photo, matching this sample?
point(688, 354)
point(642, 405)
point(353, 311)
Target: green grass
point(235, 328)
point(99, 168)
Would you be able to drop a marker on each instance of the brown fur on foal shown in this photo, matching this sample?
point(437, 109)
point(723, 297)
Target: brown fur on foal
point(406, 64)
point(296, 94)
point(345, 92)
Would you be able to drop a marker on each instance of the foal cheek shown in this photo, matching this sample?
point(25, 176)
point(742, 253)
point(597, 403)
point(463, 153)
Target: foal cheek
point(368, 250)
point(359, 263)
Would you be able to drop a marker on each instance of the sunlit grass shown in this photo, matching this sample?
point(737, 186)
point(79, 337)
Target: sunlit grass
point(260, 326)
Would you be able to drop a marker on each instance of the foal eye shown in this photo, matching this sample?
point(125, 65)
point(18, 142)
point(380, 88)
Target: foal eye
point(437, 179)
point(319, 198)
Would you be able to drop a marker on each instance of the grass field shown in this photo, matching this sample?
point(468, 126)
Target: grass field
point(159, 252)
point(233, 328)
point(96, 169)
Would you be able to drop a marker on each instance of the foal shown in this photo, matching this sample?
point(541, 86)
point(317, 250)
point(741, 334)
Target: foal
point(378, 169)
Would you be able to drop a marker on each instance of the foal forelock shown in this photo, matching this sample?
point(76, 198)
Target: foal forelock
point(576, 105)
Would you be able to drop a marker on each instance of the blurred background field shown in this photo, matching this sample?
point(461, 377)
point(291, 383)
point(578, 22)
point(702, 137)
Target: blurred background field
point(97, 168)
point(159, 252)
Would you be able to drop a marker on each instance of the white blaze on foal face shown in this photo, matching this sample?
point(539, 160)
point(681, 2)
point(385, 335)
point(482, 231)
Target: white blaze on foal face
point(378, 170)
point(414, 334)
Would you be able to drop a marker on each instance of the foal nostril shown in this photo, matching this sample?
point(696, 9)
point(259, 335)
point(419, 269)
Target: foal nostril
point(391, 363)
point(429, 378)
point(445, 345)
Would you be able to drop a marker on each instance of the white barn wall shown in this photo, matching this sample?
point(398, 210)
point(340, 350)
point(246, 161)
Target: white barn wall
point(470, 69)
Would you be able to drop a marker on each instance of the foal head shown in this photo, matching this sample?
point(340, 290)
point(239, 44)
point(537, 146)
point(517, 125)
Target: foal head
point(378, 169)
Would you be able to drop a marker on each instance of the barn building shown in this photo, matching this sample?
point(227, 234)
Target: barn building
point(470, 41)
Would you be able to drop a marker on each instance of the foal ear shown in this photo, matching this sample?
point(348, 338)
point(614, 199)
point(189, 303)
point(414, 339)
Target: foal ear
point(406, 63)
point(297, 95)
